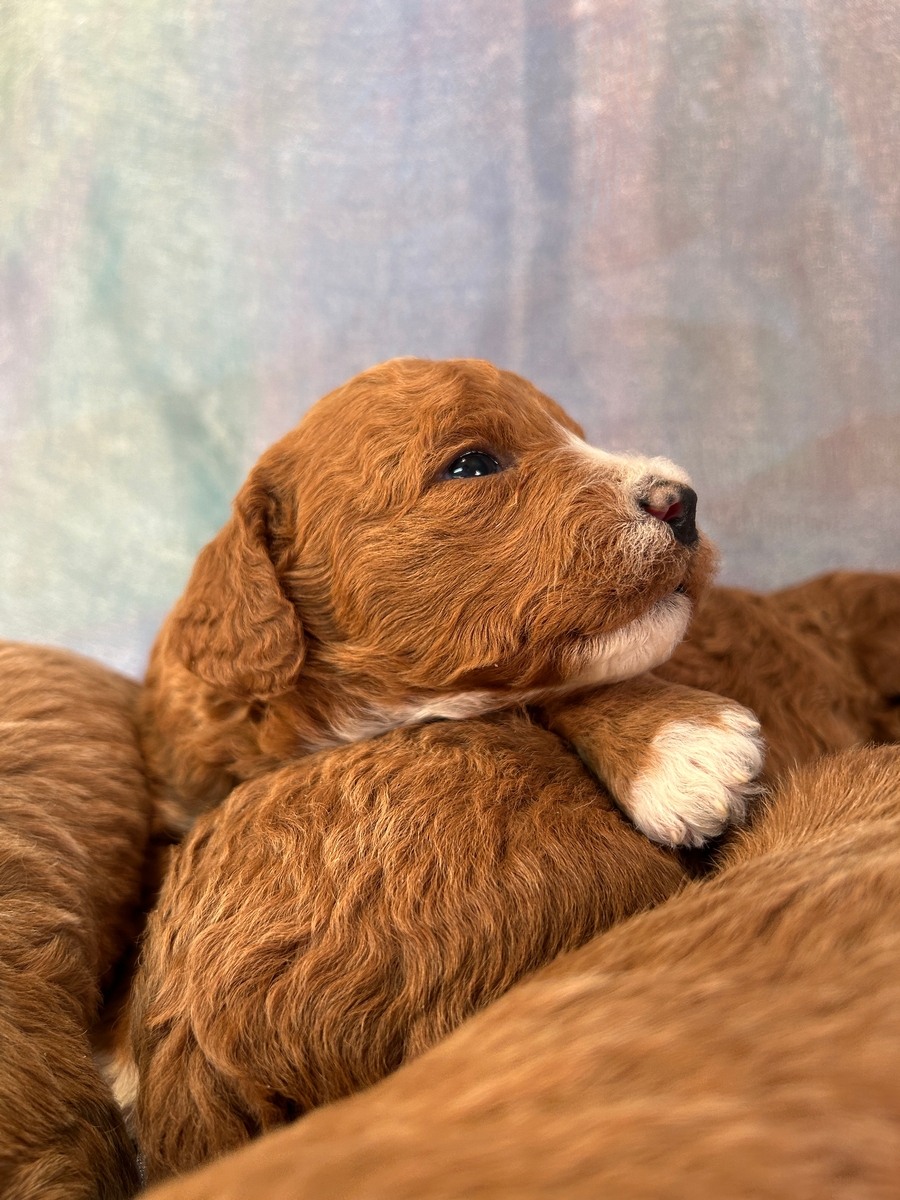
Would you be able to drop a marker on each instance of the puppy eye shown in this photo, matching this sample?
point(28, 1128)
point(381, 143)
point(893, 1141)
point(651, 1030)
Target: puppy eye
point(471, 464)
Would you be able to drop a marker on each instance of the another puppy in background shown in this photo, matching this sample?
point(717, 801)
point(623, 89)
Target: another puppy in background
point(741, 1040)
point(818, 663)
point(433, 540)
point(74, 821)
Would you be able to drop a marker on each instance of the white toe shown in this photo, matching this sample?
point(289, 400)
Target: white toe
point(699, 778)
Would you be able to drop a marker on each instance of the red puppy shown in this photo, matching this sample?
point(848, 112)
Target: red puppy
point(437, 540)
point(433, 540)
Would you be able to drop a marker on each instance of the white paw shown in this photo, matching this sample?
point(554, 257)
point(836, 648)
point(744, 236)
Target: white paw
point(699, 778)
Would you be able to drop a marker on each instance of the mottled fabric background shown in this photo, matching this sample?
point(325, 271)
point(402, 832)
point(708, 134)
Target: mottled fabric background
point(678, 217)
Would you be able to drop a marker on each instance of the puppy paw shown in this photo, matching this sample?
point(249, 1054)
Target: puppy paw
point(699, 778)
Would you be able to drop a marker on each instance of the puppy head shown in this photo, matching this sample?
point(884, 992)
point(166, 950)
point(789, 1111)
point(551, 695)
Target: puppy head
point(438, 528)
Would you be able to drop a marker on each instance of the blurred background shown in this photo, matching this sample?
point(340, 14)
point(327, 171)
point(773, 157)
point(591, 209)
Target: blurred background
point(680, 218)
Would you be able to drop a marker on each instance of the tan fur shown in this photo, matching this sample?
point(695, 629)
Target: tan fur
point(74, 818)
point(355, 590)
point(339, 916)
point(741, 1040)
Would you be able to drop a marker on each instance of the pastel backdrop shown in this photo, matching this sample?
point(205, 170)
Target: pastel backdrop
point(681, 218)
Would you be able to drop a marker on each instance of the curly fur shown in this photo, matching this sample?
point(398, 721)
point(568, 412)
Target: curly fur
point(741, 1040)
point(74, 818)
point(371, 894)
point(338, 915)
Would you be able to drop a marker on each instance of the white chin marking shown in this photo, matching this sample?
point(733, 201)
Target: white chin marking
point(637, 647)
point(699, 778)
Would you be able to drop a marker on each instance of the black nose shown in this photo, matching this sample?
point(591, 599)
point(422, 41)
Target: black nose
point(676, 505)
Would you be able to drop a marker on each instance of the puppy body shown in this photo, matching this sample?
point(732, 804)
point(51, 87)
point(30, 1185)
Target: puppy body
point(336, 917)
point(203, 1091)
point(742, 1039)
point(192, 1111)
point(74, 818)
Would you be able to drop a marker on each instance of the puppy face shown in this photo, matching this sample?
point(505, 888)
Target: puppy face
point(439, 539)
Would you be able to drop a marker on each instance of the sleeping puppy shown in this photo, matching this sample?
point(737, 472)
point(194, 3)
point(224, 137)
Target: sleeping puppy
point(74, 821)
point(434, 540)
point(742, 1040)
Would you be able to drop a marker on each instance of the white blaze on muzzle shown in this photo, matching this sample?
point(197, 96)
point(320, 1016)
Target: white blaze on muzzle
point(630, 470)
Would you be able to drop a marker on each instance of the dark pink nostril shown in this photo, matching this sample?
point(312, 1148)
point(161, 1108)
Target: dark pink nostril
point(675, 504)
point(672, 513)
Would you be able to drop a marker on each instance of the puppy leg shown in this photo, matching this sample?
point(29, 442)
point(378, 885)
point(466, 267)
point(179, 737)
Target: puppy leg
point(679, 762)
point(817, 663)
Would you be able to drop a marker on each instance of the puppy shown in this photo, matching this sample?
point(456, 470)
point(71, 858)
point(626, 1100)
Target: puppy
point(74, 818)
point(436, 540)
point(741, 1040)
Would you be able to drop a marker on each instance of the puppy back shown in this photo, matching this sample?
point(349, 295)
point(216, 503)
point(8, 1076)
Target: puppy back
point(74, 820)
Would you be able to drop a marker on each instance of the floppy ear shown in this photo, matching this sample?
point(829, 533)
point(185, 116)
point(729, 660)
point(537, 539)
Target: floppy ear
point(234, 627)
